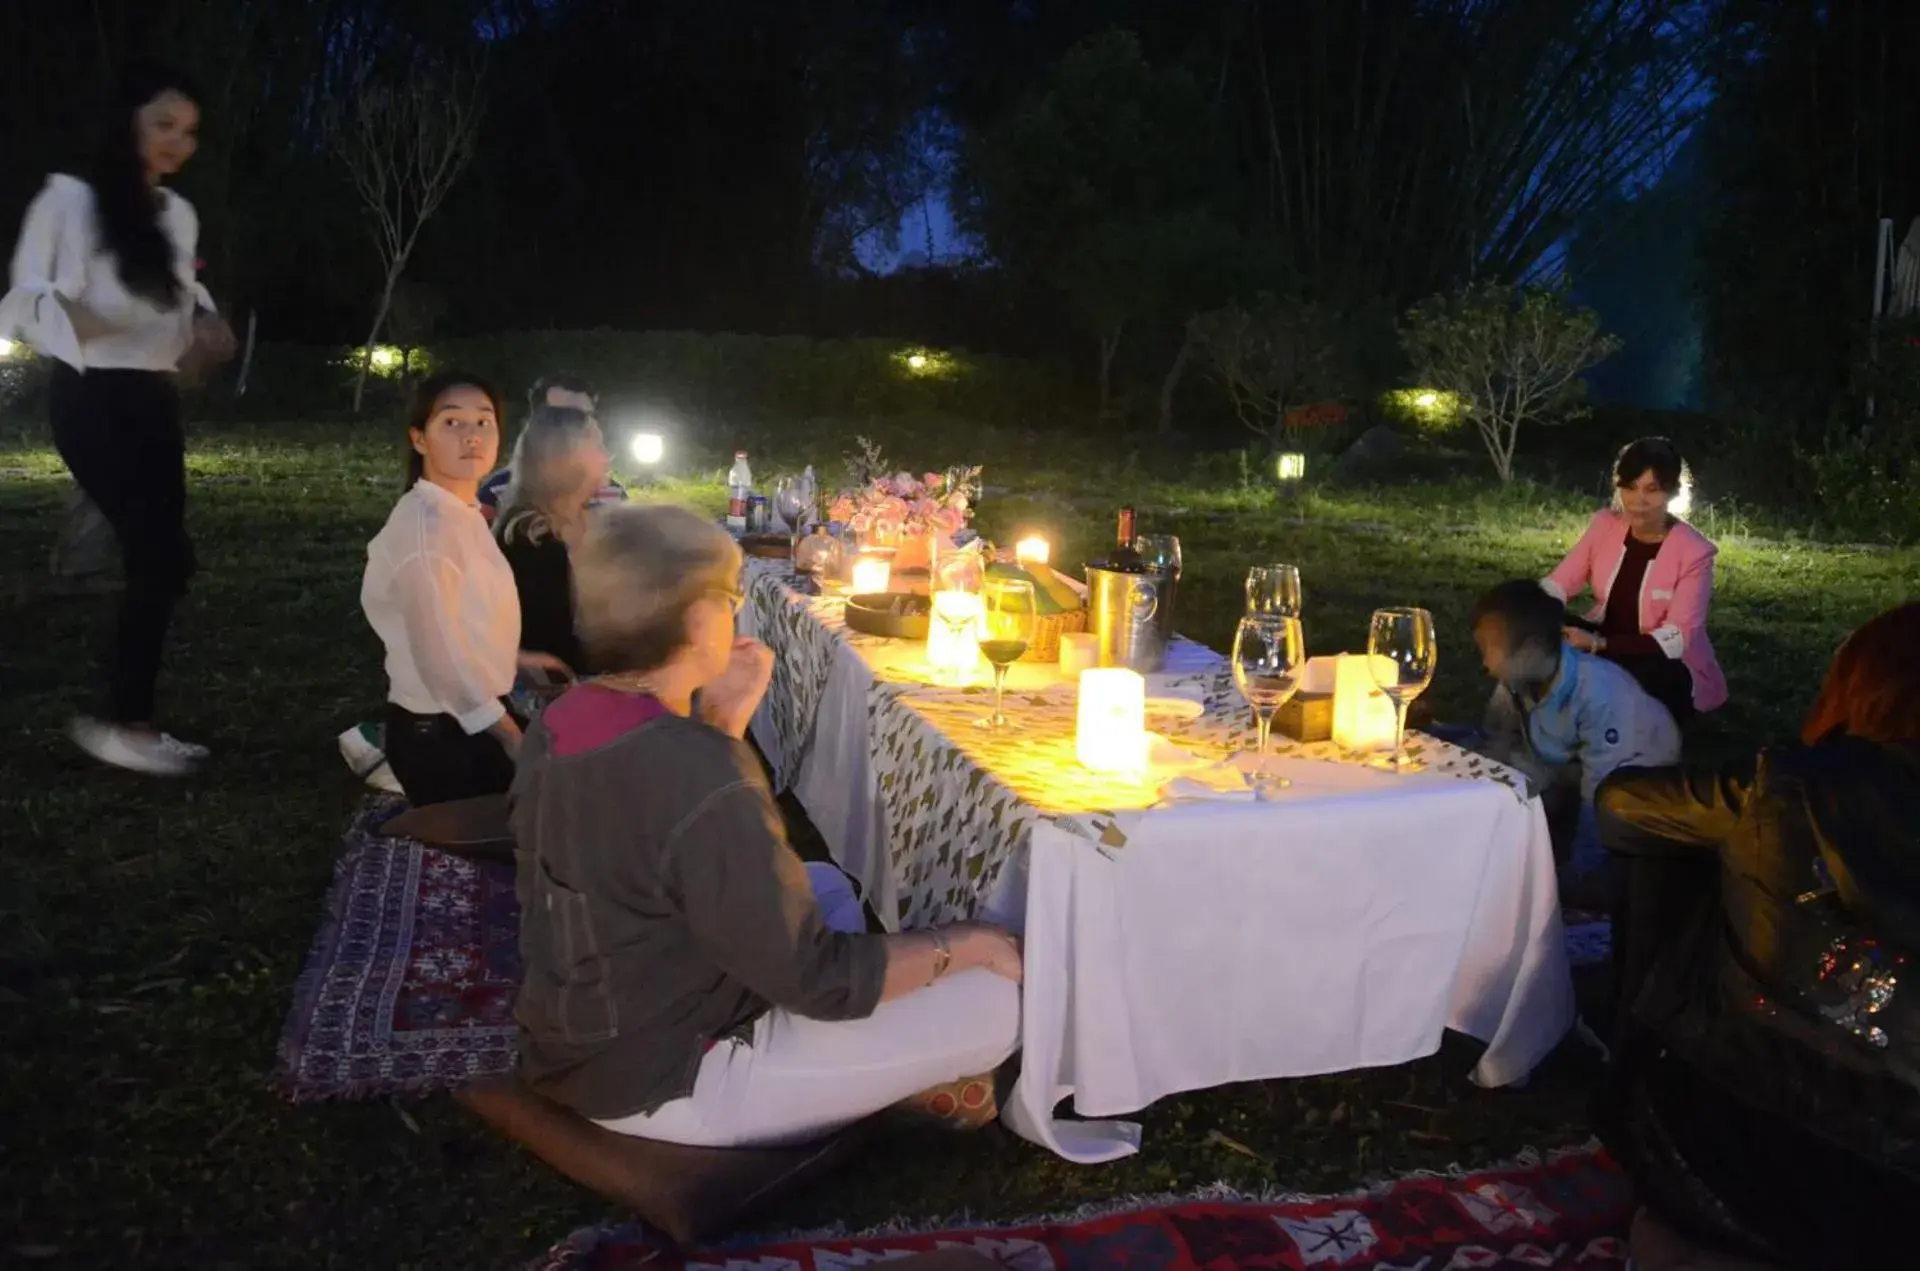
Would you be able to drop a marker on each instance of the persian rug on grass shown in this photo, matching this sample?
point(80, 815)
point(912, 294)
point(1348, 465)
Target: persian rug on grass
point(1568, 1211)
point(409, 984)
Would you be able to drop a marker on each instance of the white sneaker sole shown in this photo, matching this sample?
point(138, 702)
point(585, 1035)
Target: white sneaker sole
point(110, 746)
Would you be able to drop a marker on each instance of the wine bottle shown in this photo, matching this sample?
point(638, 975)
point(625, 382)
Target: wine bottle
point(1123, 559)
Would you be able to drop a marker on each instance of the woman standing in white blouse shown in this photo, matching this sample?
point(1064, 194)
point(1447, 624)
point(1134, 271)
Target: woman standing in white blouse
point(441, 597)
point(103, 283)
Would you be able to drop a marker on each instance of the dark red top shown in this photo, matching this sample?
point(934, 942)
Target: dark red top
point(1620, 624)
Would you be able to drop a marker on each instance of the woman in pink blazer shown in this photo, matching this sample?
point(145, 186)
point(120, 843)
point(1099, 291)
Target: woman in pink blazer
point(1652, 580)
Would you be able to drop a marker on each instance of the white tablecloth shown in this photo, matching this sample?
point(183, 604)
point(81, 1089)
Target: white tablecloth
point(1344, 924)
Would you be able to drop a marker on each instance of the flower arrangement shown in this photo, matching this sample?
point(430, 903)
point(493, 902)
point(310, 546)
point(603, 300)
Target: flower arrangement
point(903, 504)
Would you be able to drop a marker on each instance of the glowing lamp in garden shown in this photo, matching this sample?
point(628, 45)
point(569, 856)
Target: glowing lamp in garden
point(1363, 716)
point(1290, 467)
point(872, 575)
point(1428, 406)
point(647, 448)
point(1682, 501)
point(1110, 733)
point(953, 635)
point(926, 364)
point(1033, 551)
point(385, 359)
point(6, 349)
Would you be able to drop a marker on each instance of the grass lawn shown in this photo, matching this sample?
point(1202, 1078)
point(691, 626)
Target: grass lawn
point(150, 932)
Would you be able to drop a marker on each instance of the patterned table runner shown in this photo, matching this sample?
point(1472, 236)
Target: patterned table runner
point(960, 800)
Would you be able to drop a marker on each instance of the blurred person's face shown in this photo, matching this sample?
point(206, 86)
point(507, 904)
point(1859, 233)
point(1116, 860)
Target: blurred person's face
point(710, 631)
point(461, 441)
point(166, 133)
point(594, 459)
point(567, 399)
point(1528, 665)
point(1644, 501)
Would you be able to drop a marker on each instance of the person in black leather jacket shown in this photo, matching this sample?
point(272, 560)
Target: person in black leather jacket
point(1765, 1090)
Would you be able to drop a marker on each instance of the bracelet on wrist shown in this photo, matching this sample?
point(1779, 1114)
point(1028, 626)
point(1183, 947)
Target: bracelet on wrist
point(942, 956)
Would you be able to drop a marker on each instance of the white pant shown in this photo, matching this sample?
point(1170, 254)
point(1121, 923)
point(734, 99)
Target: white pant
point(802, 1079)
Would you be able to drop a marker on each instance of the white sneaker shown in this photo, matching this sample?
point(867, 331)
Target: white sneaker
point(360, 747)
point(156, 754)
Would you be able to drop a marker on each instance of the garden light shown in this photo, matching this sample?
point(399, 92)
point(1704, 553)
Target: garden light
point(922, 363)
point(6, 349)
point(647, 448)
point(1426, 400)
point(1682, 501)
point(1291, 466)
point(386, 359)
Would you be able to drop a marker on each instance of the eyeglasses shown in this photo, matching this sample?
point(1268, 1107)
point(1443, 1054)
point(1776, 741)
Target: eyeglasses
point(733, 598)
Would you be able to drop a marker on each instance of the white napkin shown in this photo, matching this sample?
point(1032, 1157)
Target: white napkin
point(1217, 785)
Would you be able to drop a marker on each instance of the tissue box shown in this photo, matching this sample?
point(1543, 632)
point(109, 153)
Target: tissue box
point(1306, 717)
point(1308, 714)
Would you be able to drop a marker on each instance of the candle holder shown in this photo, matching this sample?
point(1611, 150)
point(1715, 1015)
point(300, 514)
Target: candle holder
point(872, 572)
point(1111, 729)
point(953, 636)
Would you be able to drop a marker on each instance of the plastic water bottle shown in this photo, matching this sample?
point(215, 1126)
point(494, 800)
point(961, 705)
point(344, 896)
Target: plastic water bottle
point(739, 490)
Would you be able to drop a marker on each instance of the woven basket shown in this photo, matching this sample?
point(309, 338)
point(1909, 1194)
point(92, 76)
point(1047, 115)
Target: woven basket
point(1047, 630)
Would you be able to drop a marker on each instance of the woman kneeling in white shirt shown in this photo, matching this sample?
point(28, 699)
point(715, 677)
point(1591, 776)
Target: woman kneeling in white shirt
point(441, 597)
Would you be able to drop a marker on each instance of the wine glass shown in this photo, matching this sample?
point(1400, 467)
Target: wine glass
point(789, 501)
point(1269, 657)
point(1009, 623)
point(1274, 589)
point(959, 613)
point(1160, 553)
point(1402, 655)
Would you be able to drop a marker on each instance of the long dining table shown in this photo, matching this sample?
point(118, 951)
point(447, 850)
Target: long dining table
point(1181, 931)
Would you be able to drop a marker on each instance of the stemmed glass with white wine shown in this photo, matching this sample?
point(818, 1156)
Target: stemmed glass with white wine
point(1402, 654)
point(1009, 622)
point(1274, 589)
point(1269, 659)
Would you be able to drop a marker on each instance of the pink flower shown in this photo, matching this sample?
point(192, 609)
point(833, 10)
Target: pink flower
point(949, 520)
point(841, 510)
point(933, 481)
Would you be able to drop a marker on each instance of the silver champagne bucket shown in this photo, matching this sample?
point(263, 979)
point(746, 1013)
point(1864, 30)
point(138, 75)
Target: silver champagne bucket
point(1122, 610)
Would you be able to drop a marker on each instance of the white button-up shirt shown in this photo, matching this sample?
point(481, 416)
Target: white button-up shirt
point(441, 597)
point(59, 256)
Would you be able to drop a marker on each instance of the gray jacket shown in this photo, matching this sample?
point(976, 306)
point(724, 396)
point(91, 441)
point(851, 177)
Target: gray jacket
point(661, 908)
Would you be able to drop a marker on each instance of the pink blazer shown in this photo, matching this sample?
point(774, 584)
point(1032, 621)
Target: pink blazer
point(1674, 596)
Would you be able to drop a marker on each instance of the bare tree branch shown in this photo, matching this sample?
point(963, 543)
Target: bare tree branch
point(404, 141)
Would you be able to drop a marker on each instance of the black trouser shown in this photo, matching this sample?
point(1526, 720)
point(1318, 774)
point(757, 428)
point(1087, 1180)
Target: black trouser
point(1667, 680)
point(437, 761)
point(119, 433)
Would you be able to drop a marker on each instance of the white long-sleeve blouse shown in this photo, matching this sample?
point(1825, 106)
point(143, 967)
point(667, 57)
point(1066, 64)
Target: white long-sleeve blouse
point(441, 597)
point(59, 256)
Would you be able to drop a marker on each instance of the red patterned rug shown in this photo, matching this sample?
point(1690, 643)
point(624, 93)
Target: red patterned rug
point(1568, 1211)
point(409, 985)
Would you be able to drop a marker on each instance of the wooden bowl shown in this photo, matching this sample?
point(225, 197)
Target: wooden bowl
point(774, 546)
point(893, 614)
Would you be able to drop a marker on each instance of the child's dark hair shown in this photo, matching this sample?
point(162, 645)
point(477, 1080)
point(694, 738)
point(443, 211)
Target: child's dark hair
point(420, 411)
point(1531, 616)
point(537, 395)
point(1650, 454)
